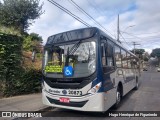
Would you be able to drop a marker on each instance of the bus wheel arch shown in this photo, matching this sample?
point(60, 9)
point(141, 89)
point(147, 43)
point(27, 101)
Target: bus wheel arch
point(119, 94)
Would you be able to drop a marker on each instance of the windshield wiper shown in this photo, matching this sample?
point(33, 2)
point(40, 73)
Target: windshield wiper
point(71, 52)
point(74, 48)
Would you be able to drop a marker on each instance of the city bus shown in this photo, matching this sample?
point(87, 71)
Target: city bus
point(87, 70)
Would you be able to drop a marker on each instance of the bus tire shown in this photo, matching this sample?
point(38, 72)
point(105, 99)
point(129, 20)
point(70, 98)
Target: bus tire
point(118, 98)
point(137, 84)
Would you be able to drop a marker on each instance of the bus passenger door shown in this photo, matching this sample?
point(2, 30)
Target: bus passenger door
point(108, 74)
point(108, 65)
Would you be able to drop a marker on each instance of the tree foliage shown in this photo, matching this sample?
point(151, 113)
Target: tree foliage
point(138, 51)
point(146, 56)
point(32, 41)
point(9, 30)
point(27, 43)
point(36, 37)
point(19, 14)
point(10, 59)
point(14, 79)
point(155, 53)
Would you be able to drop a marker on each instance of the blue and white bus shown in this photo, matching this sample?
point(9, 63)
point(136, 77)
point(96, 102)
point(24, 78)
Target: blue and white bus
point(87, 70)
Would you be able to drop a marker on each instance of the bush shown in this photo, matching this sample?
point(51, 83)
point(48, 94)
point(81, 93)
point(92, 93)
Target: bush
point(10, 59)
point(29, 82)
point(14, 80)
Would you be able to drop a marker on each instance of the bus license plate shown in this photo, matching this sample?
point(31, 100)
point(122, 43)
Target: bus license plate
point(64, 100)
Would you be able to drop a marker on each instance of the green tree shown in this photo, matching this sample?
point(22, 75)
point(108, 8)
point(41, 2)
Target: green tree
point(27, 43)
point(138, 52)
point(36, 37)
point(32, 41)
point(156, 53)
point(146, 56)
point(0, 5)
point(19, 14)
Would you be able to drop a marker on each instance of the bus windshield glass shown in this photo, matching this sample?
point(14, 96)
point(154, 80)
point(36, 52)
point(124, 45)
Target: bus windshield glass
point(79, 58)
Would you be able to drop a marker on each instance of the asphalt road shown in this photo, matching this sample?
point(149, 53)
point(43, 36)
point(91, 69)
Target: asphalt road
point(146, 98)
point(30, 102)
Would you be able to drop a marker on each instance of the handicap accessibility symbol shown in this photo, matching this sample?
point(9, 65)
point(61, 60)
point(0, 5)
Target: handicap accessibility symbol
point(68, 71)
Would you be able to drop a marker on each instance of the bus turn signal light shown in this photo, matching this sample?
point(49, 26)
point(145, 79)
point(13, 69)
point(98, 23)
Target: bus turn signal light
point(95, 88)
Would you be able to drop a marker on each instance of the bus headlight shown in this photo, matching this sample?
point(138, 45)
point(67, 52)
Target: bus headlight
point(95, 88)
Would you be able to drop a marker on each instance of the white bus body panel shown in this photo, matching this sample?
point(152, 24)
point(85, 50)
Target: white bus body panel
point(96, 102)
point(109, 98)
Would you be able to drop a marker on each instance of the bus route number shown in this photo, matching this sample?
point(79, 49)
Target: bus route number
point(71, 92)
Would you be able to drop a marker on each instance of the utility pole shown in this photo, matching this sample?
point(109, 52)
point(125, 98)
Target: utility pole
point(134, 44)
point(118, 31)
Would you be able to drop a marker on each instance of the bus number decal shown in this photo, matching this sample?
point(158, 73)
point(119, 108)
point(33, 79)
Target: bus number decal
point(71, 92)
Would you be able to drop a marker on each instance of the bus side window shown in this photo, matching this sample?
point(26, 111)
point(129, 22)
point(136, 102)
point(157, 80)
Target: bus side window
point(118, 56)
point(103, 54)
point(124, 59)
point(129, 60)
point(109, 54)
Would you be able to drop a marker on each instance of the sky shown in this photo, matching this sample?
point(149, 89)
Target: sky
point(139, 20)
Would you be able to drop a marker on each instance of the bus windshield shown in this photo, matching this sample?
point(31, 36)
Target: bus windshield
point(81, 57)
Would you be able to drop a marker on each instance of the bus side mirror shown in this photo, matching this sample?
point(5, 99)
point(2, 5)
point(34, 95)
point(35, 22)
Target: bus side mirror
point(33, 55)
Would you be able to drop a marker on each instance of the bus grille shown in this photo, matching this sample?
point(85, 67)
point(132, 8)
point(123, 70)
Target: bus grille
point(68, 83)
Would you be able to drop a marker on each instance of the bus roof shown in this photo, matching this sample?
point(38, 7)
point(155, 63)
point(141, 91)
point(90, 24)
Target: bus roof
point(77, 34)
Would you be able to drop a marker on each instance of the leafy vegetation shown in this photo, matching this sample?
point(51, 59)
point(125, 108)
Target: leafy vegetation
point(19, 13)
point(156, 53)
point(32, 41)
point(18, 75)
point(29, 82)
point(10, 59)
point(14, 78)
point(138, 51)
point(9, 30)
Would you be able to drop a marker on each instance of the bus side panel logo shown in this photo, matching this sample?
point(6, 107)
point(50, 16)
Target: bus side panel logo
point(68, 71)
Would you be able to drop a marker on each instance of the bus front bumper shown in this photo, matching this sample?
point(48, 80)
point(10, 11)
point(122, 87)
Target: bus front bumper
point(91, 102)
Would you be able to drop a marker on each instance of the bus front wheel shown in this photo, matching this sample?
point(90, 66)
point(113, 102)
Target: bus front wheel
point(118, 98)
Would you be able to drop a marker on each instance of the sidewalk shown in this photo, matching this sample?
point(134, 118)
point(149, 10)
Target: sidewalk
point(32, 102)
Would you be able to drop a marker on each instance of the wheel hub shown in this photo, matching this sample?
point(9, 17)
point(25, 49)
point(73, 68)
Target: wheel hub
point(118, 97)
